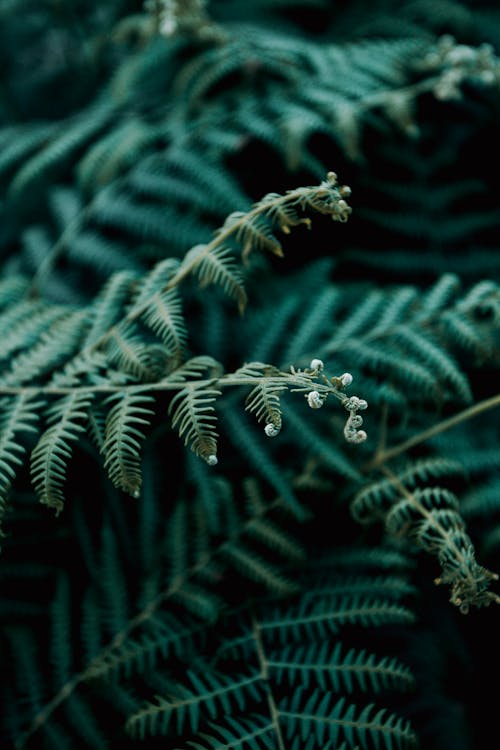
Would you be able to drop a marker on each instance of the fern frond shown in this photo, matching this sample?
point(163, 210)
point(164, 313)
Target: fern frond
point(219, 267)
point(52, 349)
point(210, 692)
point(109, 305)
point(193, 416)
point(164, 637)
point(253, 732)
point(320, 618)
point(50, 456)
point(319, 713)
point(263, 400)
point(259, 458)
point(63, 145)
point(430, 517)
point(142, 361)
point(24, 324)
point(18, 414)
point(256, 569)
point(332, 669)
point(111, 584)
point(123, 438)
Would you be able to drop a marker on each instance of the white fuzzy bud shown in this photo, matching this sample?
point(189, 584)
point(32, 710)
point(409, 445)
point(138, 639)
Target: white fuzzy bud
point(314, 400)
point(168, 26)
point(355, 420)
point(346, 379)
point(317, 364)
point(271, 430)
point(359, 437)
point(354, 403)
point(212, 460)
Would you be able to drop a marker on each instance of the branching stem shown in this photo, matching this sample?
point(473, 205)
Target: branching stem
point(382, 456)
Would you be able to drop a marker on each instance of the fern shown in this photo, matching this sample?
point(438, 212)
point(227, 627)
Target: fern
point(53, 450)
point(122, 440)
point(159, 287)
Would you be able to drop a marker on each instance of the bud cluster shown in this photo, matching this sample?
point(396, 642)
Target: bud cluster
point(458, 62)
point(352, 433)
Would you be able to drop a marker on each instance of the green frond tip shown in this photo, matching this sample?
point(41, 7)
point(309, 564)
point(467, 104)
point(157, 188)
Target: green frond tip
point(430, 517)
point(214, 263)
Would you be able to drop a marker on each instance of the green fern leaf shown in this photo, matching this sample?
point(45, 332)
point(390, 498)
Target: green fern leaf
point(216, 266)
point(18, 415)
point(263, 400)
point(68, 138)
point(211, 693)
point(318, 713)
point(193, 416)
point(51, 350)
point(319, 665)
point(123, 438)
point(53, 451)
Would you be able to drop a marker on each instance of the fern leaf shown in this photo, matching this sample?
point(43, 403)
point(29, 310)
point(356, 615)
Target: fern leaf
point(165, 637)
point(123, 438)
point(193, 416)
point(319, 714)
point(163, 315)
point(256, 569)
point(143, 362)
point(63, 145)
point(263, 400)
point(53, 451)
point(217, 266)
point(109, 305)
point(323, 617)
point(208, 694)
point(18, 415)
point(54, 347)
point(24, 324)
point(248, 733)
point(263, 463)
point(318, 665)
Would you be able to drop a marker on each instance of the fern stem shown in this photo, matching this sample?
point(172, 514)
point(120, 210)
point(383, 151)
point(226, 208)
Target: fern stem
point(54, 251)
point(226, 381)
point(382, 456)
point(264, 673)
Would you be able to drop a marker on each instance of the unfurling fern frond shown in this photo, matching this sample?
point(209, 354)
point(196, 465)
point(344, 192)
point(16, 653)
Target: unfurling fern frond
point(52, 453)
point(123, 439)
point(430, 517)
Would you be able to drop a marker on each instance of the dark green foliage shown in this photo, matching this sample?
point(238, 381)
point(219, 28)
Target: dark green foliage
point(244, 555)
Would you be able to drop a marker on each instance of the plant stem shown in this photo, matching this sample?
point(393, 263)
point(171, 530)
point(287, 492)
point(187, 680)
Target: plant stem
point(382, 456)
